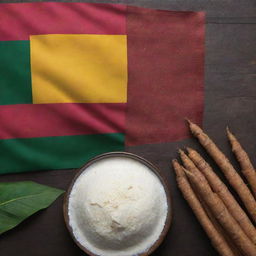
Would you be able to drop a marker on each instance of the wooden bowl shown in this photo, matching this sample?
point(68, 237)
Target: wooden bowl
point(141, 160)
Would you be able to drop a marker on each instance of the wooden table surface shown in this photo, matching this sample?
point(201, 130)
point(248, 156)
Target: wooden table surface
point(230, 99)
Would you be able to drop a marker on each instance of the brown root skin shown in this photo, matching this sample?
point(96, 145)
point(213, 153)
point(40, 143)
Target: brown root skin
point(221, 189)
point(244, 161)
point(187, 162)
point(220, 229)
point(217, 239)
point(231, 174)
point(190, 165)
point(221, 213)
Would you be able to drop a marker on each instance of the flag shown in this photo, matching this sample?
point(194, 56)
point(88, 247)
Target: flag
point(80, 79)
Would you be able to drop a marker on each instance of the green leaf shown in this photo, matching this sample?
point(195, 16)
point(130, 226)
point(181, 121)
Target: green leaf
point(19, 200)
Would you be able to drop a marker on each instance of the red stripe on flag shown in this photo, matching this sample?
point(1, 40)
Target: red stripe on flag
point(165, 74)
point(20, 20)
point(42, 120)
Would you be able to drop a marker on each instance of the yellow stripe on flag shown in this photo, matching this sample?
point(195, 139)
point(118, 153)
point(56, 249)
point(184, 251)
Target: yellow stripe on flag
point(79, 68)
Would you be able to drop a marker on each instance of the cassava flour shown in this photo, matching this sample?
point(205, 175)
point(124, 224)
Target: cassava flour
point(117, 207)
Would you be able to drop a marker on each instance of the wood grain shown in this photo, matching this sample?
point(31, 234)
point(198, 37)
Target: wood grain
point(230, 93)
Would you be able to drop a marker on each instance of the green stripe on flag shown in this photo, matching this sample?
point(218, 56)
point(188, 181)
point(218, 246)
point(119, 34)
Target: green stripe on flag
point(62, 152)
point(15, 77)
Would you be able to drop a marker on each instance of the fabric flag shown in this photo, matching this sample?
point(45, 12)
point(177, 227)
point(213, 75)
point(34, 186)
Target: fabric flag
point(80, 79)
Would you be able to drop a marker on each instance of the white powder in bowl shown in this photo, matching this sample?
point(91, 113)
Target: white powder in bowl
point(117, 207)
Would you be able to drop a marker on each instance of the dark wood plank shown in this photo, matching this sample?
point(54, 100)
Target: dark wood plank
point(230, 96)
point(230, 99)
point(220, 11)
